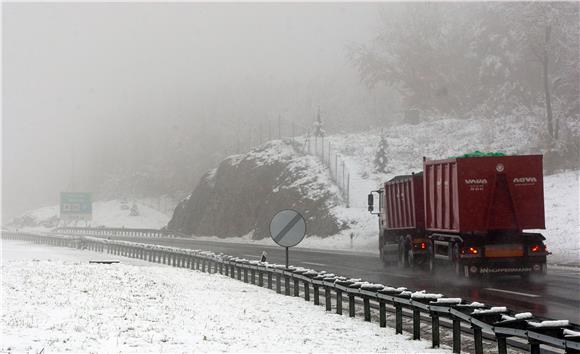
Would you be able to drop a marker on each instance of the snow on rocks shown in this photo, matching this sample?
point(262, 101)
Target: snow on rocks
point(69, 305)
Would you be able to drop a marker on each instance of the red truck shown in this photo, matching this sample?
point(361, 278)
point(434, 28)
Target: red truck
point(466, 212)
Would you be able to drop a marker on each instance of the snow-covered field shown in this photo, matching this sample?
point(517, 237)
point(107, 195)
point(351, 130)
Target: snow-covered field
point(109, 214)
point(53, 300)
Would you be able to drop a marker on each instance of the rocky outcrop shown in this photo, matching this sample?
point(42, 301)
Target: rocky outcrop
point(243, 193)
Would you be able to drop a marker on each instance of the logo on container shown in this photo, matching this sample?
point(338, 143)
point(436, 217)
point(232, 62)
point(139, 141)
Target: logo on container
point(476, 184)
point(476, 181)
point(525, 181)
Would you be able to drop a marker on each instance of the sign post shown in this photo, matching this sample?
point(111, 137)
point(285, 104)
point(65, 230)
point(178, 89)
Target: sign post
point(287, 229)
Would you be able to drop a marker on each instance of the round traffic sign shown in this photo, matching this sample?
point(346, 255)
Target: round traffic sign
point(287, 228)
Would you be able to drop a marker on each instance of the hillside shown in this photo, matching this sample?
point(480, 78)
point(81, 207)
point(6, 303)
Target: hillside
point(243, 193)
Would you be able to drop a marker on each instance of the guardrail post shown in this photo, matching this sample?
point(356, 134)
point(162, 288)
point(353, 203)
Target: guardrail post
point(221, 267)
point(296, 287)
point(232, 271)
point(435, 330)
point(416, 324)
point(351, 308)
point(286, 285)
point(269, 280)
point(456, 335)
point(478, 340)
point(398, 319)
point(278, 284)
point(501, 344)
point(260, 278)
point(367, 308)
point(306, 291)
point(382, 314)
point(327, 298)
point(174, 260)
point(239, 273)
point(203, 265)
point(338, 302)
point(534, 347)
point(245, 275)
point(316, 294)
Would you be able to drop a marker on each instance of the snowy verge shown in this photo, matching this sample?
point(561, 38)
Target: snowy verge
point(53, 299)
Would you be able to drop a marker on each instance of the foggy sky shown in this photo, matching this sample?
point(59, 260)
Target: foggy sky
point(82, 78)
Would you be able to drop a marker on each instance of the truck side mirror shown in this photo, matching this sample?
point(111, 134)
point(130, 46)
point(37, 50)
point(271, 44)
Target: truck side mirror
point(371, 203)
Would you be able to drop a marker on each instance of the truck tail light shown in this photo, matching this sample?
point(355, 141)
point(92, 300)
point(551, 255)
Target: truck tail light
point(537, 248)
point(421, 245)
point(470, 251)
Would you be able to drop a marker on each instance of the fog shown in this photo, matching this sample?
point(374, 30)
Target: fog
point(141, 99)
point(91, 91)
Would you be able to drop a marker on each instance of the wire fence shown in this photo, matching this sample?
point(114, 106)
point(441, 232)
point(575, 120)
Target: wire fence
point(322, 148)
point(303, 140)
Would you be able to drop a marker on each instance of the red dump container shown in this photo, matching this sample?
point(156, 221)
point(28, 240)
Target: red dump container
point(477, 194)
point(404, 202)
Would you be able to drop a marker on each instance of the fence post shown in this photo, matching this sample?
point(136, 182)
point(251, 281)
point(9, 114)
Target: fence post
point(286, 285)
point(269, 280)
point(351, 309)
point(348, 190)
point(435, 329)
point(398, 319)
point(245, 275)
point(338, 302)
point(316, 294)
point(278, 284)
point(534, 347)
point(478, 341)
point(501, 344)
point(260, 278)
point(306, 291)
point(367, 308)
point(416, 324)
point(328, 298)
point(296, 287)
point(382, 314)
point(456, 335)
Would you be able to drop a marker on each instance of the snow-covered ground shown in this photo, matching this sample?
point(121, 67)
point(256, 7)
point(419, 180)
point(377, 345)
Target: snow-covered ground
point(53, 300)
point(110, 213)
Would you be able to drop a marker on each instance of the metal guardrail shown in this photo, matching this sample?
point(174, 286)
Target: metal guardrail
point(119, 231)
point(264, 274)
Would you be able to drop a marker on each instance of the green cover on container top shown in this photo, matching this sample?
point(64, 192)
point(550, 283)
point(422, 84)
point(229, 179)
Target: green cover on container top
point(478, 153)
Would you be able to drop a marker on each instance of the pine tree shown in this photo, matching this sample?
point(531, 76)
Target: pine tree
point(381, 161)
point(318, 128)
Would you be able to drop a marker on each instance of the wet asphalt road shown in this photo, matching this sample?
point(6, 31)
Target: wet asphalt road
point(557, 296)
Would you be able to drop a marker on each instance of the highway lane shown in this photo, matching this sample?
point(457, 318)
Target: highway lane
point(556, 297)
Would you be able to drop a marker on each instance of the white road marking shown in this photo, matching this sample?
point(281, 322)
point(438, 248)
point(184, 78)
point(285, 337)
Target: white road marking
point(512, 292)
point(312, 263)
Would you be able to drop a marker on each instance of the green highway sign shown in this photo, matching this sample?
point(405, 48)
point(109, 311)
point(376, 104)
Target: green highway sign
point(76, 206)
